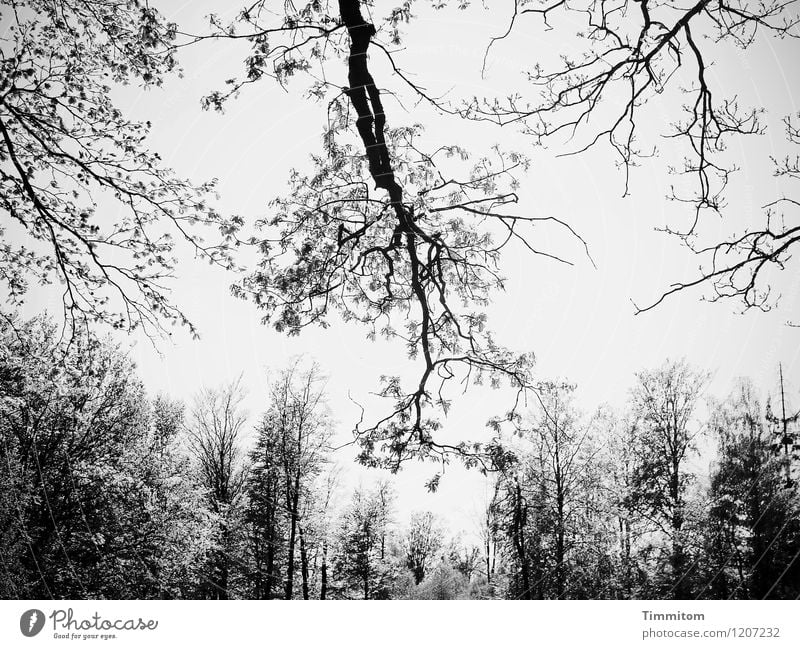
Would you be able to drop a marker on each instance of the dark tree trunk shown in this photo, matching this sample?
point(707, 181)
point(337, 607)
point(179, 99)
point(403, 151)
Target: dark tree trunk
point(223, 581)
point(519, 542)
point(323, 592)
point(270, 580)
point(303, 561)
point(625, 547)
point(294, 499)
point(221, 586)
point(678, 563)
point(258, 581)
point(271, 499)
point(488, 562)
point(560, 551)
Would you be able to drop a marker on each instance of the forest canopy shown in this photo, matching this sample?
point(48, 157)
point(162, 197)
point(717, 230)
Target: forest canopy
point(108, 492)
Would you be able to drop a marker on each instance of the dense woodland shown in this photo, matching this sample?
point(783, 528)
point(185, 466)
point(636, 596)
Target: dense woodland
point(109, 491)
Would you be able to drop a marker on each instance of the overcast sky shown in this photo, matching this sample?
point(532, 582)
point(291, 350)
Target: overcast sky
point(578, 320)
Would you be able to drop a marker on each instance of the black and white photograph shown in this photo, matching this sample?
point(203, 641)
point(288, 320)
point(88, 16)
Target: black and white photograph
point(415, 300)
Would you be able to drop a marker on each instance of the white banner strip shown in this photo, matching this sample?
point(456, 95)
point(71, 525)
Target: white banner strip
point(398, 624)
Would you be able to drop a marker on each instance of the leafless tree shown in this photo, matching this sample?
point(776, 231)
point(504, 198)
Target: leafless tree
point(421, 543)
point(299, 423)
point(664, 402)
point(562, 449)
point(215, 426)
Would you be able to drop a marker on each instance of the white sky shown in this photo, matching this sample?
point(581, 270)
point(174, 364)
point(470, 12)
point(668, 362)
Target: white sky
point(578, 320)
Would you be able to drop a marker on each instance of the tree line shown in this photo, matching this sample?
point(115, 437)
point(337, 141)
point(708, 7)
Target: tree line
point(108, 492)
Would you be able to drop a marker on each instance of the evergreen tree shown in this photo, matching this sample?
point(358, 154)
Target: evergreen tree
point(753, 534)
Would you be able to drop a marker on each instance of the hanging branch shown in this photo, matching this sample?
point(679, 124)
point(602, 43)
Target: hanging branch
point(382, 231)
